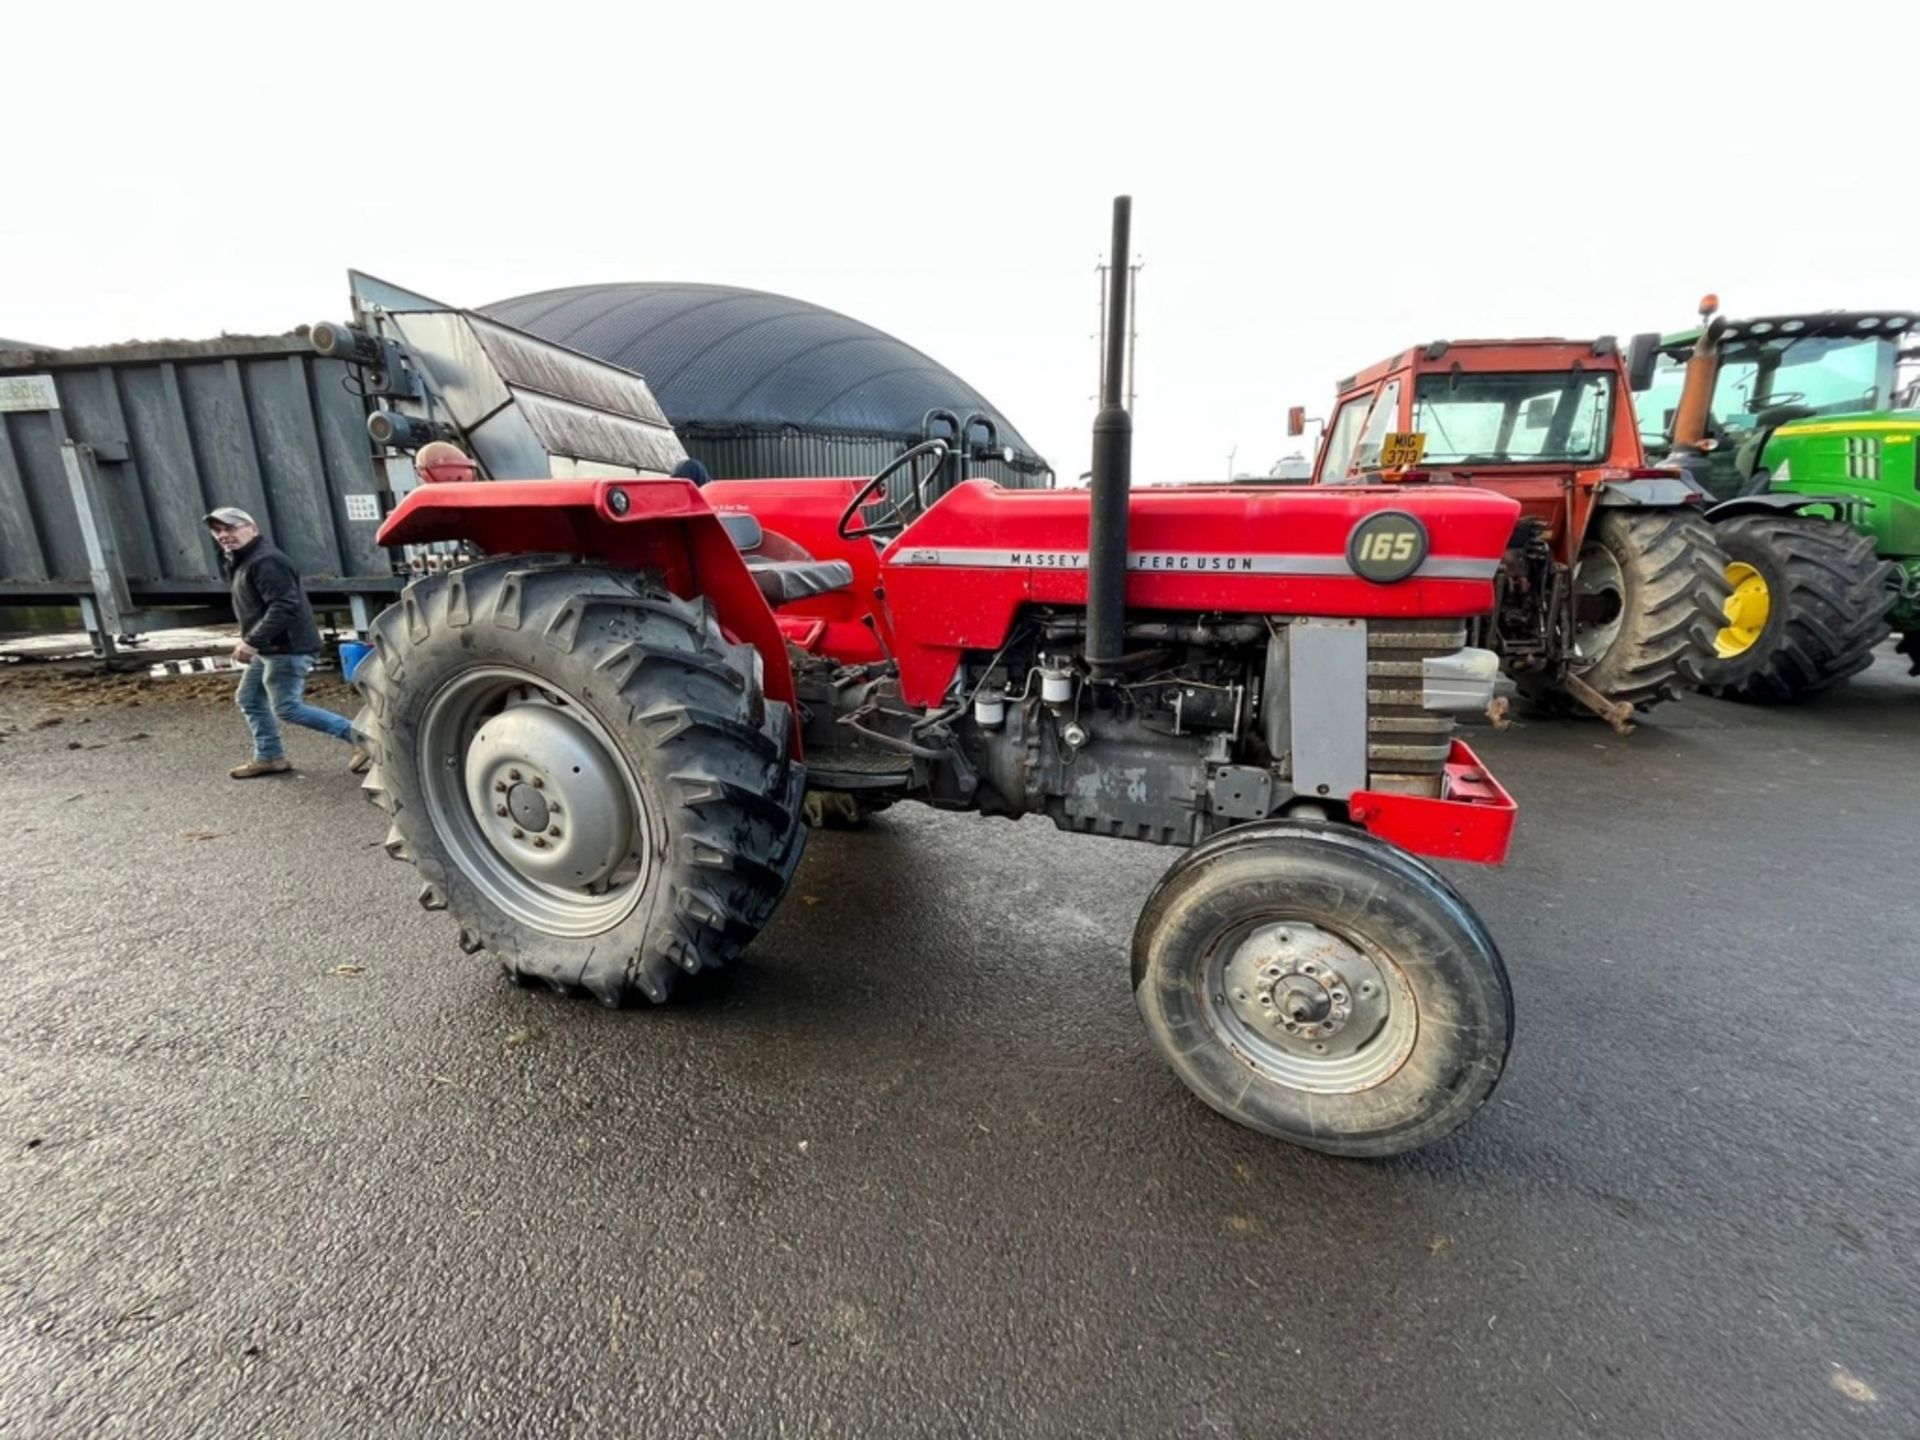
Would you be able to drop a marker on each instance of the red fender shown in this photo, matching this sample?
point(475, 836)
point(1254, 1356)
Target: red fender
point(664, 526)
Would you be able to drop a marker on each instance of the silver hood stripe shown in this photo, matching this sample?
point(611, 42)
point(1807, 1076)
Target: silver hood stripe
point(1184, 562)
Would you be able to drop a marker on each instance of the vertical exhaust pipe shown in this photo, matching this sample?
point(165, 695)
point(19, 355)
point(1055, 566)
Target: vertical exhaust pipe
point(1112, 477)
point(1693, 409)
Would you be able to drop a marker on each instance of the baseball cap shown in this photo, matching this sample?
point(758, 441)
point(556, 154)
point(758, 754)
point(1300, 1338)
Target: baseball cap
point(228, 515)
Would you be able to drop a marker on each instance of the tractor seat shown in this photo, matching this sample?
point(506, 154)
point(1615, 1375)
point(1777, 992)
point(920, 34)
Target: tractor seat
point(783, 581)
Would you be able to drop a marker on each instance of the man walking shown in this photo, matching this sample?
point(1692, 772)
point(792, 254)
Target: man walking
point(278, 643)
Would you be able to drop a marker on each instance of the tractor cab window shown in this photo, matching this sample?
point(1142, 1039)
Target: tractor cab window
point(1382, 421)
point(1514, 418)
point(1820, 375)
point(1342, 435)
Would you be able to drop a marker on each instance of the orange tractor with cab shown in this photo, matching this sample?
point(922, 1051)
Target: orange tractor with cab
point(1612, 589)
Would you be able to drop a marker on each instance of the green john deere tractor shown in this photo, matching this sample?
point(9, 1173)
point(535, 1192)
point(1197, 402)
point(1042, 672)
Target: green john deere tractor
point(1804, 429)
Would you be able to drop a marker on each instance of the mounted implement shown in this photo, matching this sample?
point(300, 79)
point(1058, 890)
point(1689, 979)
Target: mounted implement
point(1611, 589)
point(1803, 428)
point(595, 743)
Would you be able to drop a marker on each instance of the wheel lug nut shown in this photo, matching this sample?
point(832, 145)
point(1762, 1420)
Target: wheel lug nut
point(500, 810)
point(538, 783)
point(539, 842)
point(518, 833)
point(500, 786)
point(513, 774)
point(554, 832)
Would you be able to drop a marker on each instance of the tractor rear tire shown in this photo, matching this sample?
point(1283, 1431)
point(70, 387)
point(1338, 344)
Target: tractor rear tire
point(1654, 588)
point(1810, 603)
point(1324, 987)
point(584, 771)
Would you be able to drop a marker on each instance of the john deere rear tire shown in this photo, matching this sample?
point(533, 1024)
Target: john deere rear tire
point(1648, 593)
point(584, 771)
point(1321, 986)
point(1809, 603)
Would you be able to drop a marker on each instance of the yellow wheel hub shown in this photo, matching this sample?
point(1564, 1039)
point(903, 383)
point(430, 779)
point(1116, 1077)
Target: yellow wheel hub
point(1746, 610)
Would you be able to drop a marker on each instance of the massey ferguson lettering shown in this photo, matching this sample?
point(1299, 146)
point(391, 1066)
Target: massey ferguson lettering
point(1160, 560)
point(1155, 560)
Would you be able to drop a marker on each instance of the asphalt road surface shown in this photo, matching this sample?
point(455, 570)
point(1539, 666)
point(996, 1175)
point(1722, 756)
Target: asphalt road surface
point(276, 1159)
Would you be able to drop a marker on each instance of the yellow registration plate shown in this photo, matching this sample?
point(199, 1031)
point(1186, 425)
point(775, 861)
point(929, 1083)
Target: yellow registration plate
point(1401, 449)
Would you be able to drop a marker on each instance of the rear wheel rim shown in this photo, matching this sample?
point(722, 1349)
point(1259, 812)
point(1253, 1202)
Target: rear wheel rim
point(534, 803)
point(1308, 1007)
point(1746, 610)
point(1599, 604)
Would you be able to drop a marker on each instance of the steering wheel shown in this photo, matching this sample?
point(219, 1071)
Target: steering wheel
point(851, 527)
point(1774, 402)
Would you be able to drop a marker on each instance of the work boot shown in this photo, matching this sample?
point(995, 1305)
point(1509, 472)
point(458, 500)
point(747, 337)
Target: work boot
point(360, 762)
point(254, 769)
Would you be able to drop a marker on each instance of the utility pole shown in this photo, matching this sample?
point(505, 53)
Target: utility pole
point(1101, 272)
point(1230, 454)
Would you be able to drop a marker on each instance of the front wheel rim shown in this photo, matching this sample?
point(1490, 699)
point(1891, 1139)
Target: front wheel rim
point(534, 802)
point(1308, 1007)
point(1746, 610)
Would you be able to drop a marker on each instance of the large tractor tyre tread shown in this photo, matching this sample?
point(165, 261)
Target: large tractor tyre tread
point(683, 704)
point(1828, 603)
point(1339, 879)
point(1676, 591)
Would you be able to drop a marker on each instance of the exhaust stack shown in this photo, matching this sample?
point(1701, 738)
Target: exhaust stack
point(1112, 477)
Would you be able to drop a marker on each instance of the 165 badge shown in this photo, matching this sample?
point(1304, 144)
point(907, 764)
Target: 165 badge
point(1387, 546)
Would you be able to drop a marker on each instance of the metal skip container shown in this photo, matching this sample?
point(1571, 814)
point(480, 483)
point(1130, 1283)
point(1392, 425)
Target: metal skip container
point(110, 456)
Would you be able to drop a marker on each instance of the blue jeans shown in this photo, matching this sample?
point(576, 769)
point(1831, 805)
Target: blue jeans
point(270, 692)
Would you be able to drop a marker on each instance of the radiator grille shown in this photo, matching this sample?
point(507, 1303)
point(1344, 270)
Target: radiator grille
point(1407, 745)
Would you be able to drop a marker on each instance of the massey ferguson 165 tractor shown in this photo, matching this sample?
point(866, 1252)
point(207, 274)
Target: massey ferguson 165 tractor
point(1612, 588)
point(1803, 428)
point(595, 742)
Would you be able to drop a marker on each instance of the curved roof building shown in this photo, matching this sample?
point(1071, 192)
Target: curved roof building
point(765, 385)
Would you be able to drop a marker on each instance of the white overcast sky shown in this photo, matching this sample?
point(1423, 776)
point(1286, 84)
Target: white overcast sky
point(1314, 186)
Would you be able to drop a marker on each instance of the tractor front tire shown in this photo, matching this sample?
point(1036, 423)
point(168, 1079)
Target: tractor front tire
point(1649, 591)
point(584, 771)
point(1316, 984)
point(1810, 602)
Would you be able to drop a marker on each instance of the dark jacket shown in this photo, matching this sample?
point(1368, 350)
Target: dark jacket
point(274, 615)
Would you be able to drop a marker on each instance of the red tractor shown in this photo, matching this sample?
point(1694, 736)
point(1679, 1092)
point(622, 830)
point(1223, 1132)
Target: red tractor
point(1613, 589)
point(596, 744)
